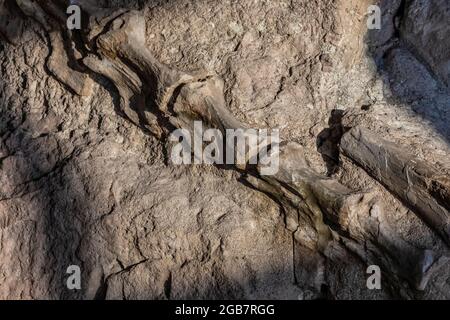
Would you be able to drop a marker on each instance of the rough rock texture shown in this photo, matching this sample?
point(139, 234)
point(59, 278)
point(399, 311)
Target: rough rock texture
point(425, 25)
point(84, 176)
point(415, 182)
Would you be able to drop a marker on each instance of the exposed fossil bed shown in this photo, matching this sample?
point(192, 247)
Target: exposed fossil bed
point(364, 165)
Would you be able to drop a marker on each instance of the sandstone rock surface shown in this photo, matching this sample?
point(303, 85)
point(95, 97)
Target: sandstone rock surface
point(85, 178)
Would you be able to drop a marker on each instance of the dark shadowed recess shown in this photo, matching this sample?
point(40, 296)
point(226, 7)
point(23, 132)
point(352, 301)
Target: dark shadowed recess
point(404, 67)
point(405, 71)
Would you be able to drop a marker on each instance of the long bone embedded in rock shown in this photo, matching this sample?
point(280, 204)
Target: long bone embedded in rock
point(125, 43)
point(418, 184)
point(358, 220)
point(155, 91)
point(322, 213)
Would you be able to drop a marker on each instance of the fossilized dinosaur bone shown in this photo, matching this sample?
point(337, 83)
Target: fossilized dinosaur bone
point(418, 184)
point(359, 219)
point(158, 98)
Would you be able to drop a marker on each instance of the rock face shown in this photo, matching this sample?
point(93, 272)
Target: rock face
point(364, 163)
point(425, 29)
point(416, 183)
